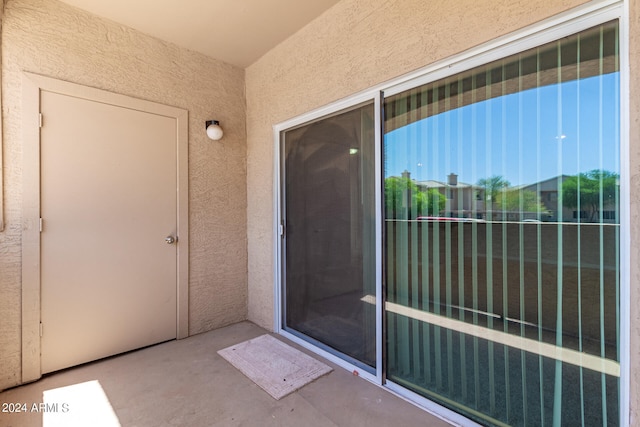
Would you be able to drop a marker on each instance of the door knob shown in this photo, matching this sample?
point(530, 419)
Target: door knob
point(170, 240)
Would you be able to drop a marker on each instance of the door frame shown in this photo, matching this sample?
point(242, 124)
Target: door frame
point(32, 86)
point(373, 96)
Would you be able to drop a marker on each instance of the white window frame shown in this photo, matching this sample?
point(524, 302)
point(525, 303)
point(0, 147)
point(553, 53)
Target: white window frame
point(549, 30)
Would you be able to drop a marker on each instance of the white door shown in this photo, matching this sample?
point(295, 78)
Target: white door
point(108, 202)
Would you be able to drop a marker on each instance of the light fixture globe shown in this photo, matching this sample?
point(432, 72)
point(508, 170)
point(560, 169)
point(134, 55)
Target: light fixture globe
point(214, 131)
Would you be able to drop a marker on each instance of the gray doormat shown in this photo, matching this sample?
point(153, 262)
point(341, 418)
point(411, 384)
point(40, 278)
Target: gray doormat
point(276, 367)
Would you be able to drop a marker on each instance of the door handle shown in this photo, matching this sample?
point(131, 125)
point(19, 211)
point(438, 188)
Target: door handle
point(170, 240)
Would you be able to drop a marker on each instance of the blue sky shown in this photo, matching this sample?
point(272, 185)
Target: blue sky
point(525, 137)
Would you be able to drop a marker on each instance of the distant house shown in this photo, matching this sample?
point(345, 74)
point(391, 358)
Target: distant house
point(548, 191)
point(463, 200)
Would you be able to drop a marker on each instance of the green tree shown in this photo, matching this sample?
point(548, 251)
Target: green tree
point(398, 192)
point(520, 201)
point(492, 187)
point(590, 192)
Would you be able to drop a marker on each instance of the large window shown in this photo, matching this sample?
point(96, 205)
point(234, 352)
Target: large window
point(501, 201)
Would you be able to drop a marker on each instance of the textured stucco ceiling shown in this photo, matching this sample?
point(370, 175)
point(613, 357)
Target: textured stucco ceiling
point(234, 31)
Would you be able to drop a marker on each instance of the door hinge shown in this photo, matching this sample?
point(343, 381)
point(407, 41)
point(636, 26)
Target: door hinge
point(41, 225)
point(40, 329)
point(40, 120)
point(281, 229)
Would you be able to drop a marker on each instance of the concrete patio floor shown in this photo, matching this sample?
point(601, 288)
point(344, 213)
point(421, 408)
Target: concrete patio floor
point(186, 383)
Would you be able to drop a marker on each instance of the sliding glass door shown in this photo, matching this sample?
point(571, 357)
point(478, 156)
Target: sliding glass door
point(502, 236)
point(328, 195)
point(492, 200)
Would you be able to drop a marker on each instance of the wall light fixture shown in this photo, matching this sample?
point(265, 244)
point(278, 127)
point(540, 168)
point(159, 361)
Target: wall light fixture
point(214, 131)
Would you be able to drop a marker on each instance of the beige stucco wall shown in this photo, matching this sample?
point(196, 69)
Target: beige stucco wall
point(360, 43)
point(53, 39)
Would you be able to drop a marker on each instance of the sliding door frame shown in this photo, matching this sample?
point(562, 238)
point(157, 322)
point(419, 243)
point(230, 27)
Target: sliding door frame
point(556, 27)
point(279, 241)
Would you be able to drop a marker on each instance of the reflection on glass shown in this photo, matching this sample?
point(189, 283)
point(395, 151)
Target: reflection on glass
point(329, 170)
point(502, 236)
